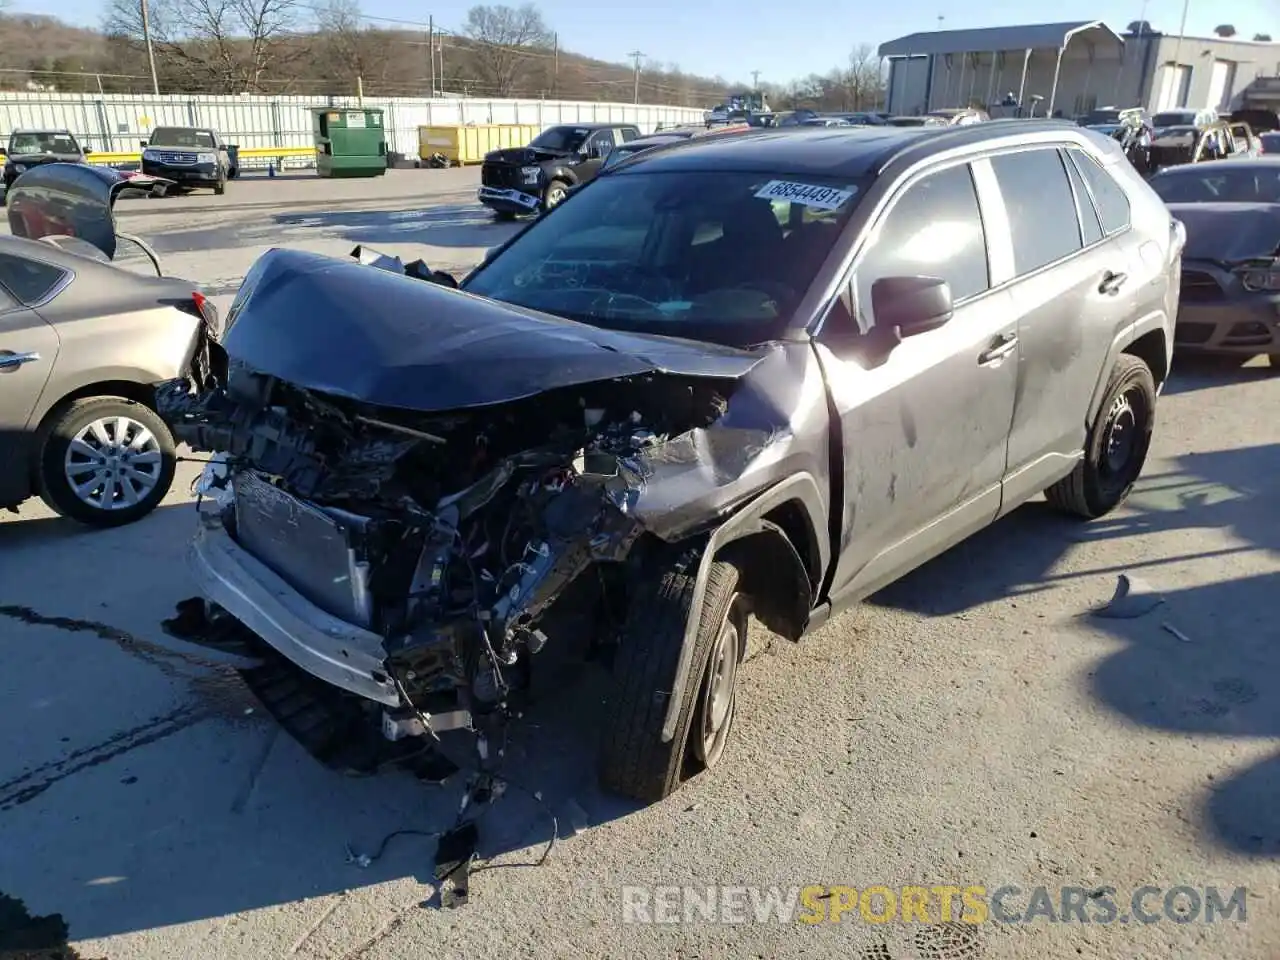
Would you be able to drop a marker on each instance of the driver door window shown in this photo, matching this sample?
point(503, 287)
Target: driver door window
point(600, 144)
point(934, 228)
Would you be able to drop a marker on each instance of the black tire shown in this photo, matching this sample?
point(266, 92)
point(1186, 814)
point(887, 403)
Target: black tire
point(634, 761)
point(503, 216)
point(65, 425)
point(1274, 360)
point(1099, 484)
point(554, 194)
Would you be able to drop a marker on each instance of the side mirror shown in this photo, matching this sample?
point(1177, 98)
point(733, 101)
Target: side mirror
point(909, 306)
point(88, 150)
point(142, 143)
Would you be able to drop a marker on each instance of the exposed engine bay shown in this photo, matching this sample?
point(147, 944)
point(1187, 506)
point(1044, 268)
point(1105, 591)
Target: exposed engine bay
point(451, 535)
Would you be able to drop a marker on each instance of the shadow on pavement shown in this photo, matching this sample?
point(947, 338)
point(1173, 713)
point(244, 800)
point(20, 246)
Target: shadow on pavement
point(1193, 373)
point(1222, 682)
point(141, 785)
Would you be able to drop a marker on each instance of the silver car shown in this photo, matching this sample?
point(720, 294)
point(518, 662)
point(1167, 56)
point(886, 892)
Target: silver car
point(82, 341)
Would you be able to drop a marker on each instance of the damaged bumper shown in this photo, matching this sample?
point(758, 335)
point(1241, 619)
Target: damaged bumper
point(325, 646)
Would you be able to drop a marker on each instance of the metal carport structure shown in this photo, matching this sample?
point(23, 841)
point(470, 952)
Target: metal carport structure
point(997, 42)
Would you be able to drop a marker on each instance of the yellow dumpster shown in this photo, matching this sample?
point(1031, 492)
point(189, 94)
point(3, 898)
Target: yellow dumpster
point(469, 144)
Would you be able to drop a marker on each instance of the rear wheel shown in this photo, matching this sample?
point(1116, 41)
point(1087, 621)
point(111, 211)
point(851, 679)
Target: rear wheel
point(1116, 446)
point(634, 760)
point(106, 461)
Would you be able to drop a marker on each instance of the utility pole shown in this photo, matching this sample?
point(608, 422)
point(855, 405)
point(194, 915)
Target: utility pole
point(151, 54)
point(439, 51)
point(431, 46)
point(636, 55)
point(755, 79)
point(940, 19)
point(555, 66)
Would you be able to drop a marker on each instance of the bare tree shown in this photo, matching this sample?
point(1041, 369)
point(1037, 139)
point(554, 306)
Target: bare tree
point(504, 37)
point(350, 49)
point(863, 77)
point(224, 46)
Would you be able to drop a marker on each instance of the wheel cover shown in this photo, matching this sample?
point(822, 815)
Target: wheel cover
point(719, 683)
point(1121, 440)
point(113, 463)
point(554, 196)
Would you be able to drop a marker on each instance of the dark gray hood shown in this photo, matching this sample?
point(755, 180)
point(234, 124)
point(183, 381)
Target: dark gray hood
point(345, 329)
point(1229, 232)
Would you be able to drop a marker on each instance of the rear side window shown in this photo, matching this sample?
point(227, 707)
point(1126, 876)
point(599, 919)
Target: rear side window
point(1108, 197)
point(1041, 208)
point(31, 281)
point(935, 229)
point(629, 133)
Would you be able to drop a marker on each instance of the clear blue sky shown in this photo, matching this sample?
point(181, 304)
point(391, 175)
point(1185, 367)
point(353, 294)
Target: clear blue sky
point(791, 38)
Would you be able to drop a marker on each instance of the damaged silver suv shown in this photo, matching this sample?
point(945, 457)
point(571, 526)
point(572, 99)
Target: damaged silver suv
point(741, 377)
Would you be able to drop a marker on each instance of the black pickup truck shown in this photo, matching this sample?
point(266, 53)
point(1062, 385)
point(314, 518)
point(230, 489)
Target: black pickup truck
point(524, 179)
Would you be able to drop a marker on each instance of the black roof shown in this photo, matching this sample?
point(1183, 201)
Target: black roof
point(818, 151)
point(851, 151)
point(593, 125)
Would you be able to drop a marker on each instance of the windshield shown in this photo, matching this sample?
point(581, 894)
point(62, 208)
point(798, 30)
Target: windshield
point(1102, 117)
point(1174, 118)
point(567, 139)
point(180, 137)
point(43, 143)
point(1239, 184)
point(717, 256)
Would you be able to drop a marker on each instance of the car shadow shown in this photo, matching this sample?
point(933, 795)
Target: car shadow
point(142, 786)
point(1207, 664)
point(1200, 372)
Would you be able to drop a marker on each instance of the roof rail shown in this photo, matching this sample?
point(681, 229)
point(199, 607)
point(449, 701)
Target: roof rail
point(966, 134)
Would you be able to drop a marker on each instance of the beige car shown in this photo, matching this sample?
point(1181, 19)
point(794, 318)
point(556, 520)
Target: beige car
point(82, 341)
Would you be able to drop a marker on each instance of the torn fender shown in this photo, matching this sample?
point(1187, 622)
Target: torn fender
point(746, 522)
point(340, 328)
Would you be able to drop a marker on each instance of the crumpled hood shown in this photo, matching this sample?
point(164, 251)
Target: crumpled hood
point(1229, 232)
point(524, 155)
point(345, 329)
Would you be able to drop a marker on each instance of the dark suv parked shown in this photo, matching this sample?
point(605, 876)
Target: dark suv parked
point(524, 179)
point(744, 376)
point(31, 148)
point(190, 156)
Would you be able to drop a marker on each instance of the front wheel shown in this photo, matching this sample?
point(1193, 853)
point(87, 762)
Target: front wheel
point(1116, 446)
point(106, 461)
point(634, 760)
point(554, 195)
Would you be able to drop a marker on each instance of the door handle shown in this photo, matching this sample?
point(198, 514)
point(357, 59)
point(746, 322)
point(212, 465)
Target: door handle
point(1112, 282)
point(12, 361)
point(1004, 345)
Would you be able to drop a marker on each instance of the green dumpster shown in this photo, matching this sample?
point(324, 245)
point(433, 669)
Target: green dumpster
point(350, 142)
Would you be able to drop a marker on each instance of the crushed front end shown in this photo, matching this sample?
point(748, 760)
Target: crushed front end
point(382, 574)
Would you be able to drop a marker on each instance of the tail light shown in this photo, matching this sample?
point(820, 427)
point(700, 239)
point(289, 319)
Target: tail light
point(202, 307)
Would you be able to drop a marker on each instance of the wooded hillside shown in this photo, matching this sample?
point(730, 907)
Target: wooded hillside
point(320, 47)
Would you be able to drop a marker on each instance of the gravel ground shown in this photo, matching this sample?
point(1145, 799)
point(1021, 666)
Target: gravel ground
point(972, 725)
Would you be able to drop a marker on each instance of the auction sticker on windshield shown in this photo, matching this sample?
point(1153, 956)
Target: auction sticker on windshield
point(805, 194)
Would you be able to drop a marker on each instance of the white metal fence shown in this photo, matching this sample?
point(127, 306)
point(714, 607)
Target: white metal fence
point(116, 122)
